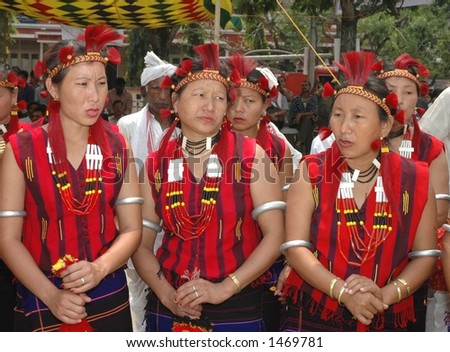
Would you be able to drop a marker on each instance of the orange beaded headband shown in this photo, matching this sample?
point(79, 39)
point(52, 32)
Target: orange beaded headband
point(358, 90)
point(11, 81)
point(399, 73)
point(7, 84)
point(246, 84)
point(205, 74)
point(89, 57)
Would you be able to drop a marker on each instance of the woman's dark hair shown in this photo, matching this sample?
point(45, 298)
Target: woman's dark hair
point(378, 88)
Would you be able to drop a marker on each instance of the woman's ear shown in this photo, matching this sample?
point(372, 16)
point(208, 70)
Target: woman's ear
point(51, 88)
point(386, 126)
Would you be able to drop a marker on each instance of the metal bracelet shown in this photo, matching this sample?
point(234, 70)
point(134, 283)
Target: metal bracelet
point(294, 243)
point(277, 204)
point(285, 187)
point(441, 196)
point(446, 227)
point(424, 253)
point(12, 213)
point(129, 200)
point(151, 225)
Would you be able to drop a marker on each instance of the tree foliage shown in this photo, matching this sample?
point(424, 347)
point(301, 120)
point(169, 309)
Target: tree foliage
point(142, 40)
point(423, 32)
point(6, 29)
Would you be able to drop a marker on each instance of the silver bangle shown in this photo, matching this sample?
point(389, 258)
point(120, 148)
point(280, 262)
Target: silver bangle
point(12, 213)
point(441, 196)
point(294, 243)
point(151, 225)
point(276, 204)
point(285, 187)
point(424, 253)
point(446, 227)
point(129, 200)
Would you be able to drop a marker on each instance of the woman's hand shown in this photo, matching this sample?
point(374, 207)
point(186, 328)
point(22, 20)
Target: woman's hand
point(68, 307)
point(355, 283)
point(201, 291)
point(364, 306)
point(82, 276)
point(193, 311)
point(280, 283)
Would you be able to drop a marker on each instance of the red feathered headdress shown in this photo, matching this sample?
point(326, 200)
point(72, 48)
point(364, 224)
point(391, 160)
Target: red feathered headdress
point(409, 67)
point(10, 81)
point(357, 67)
point(96, 37)
point(209, 54)
point(243, 66)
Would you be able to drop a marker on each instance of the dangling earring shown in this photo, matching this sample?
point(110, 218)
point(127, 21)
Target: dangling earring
point(384, 147)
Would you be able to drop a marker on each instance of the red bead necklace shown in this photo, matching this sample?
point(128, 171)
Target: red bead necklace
point(363, 246)
point(181, 222)
point(93, 180)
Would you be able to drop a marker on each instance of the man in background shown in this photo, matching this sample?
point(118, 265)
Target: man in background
point(119, 93)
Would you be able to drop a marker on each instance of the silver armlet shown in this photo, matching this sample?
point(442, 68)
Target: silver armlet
point(12, 213)
point(151, 225)
point(129, 200)
point(285, 187)
point(441, 196)
point(276, 204)
point(424, 253)
point(294, 243)
point(446, 227)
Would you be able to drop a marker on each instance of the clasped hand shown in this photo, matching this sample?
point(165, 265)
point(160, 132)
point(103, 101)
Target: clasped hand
point(364, 298)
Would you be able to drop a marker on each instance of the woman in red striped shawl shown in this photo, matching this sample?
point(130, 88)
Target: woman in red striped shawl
point(404, 77)
point(9, 125)
point(251, 94)
point(355, 214)
point(218, 198)
point(64, 185)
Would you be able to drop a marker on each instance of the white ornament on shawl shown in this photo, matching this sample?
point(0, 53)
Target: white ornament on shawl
point(213, 169)
point(348, 183)
point(406, 149)
point(93, 156)
point(175, 170)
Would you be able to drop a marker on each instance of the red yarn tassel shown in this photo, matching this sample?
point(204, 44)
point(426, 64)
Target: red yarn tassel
point(65, 54)
point(166, 83)
point(328, 90)
point(376, 144)
point(324, 133)
point(392, 100)
point(165, 113)
point(400, 117)
point(114, 56)
point(40, 69)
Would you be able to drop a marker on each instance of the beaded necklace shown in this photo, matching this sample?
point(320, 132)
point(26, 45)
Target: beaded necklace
point(197, 148)
point(181, 220)
point(94, 162)
point(363, 247)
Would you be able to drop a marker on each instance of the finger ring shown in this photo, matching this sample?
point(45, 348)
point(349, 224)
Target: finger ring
point(82, 281)
point(193, 288)
point(196, 294)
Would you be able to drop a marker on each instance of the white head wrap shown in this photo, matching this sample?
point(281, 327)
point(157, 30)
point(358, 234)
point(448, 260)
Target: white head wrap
point(266, 72)
point(155, 68)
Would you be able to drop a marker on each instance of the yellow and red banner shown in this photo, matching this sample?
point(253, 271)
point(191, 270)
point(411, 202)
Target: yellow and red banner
point(121, 14)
